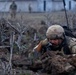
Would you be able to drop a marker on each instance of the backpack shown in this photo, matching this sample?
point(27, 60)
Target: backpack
point(68, 32)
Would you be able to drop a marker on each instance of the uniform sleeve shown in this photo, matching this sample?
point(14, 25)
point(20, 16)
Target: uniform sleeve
point(74, 49)
point(72, 45)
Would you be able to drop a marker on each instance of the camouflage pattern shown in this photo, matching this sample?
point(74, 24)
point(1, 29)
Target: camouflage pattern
point(55, 31)
point(72, 44)
point(13, 8)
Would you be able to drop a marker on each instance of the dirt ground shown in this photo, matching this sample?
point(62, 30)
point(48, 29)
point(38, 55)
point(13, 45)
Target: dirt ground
point(34, 22)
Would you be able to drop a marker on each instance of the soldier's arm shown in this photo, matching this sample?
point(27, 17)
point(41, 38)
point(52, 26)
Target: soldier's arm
point(72, 46)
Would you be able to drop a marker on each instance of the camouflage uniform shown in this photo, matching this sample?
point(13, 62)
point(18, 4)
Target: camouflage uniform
point(68, 45)
point(13, 8)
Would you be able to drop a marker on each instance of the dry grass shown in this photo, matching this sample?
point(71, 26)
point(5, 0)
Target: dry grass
point(34, 19)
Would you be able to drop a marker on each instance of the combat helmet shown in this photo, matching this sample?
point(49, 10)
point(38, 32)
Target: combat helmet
point(55, 32)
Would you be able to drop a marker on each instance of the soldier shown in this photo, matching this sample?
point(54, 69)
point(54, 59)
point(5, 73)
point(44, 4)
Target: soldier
point(30, 8)
point(56, 40)
point(13, 8)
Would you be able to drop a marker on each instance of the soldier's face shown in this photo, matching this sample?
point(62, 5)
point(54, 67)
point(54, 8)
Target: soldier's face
point(55, 42)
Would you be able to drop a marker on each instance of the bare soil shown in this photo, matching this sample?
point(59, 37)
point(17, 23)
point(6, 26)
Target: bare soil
point(34, 22)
